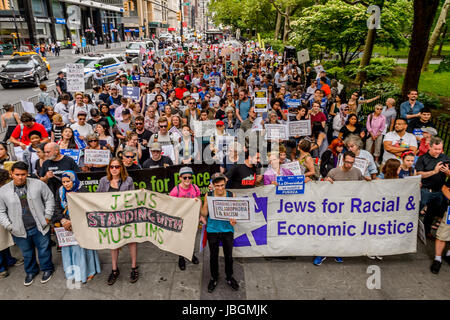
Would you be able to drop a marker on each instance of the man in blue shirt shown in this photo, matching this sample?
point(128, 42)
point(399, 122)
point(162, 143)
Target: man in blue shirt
point(243, 105)
point(214, 73)
point(411, 109)
point(42, 117)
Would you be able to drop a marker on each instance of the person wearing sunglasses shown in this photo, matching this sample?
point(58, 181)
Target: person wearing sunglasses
point(156, 159)
point(93, 144)
point(128, 156)
point(84, 129)
point(376, 122)
point(186, 189)
point(117, 179)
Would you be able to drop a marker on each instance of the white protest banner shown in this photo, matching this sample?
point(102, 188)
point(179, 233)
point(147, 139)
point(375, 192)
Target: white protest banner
point(257, 124)
point(223, 208)
point(294, 167)
point(360, 164)
point(300, 128)
point(261, 101)
point(276, 131)
point(168, 151)
point(65, 238)
point(150, 97)
point(75, 77)
point(303, 56)
point(340, 219)
point(204, 128)
point(94, 156)
point(112, 219)
point(6, 239)
point(28, 106)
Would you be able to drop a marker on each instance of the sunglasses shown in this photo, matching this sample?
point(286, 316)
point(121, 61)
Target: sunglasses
point(82, 118)
point(187, 178)
point(139, 123)
point(129, 157)
point(114, 167)
point(92, 141)
point(163, 126)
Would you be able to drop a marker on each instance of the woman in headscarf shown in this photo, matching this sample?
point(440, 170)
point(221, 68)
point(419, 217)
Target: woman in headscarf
point(79, 264)
point(340, 119)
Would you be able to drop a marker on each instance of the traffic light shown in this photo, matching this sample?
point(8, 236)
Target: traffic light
point(131, 5)
point(179, 15)
point(126, 6)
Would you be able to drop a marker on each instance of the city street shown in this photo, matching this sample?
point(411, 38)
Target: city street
point(404, 276)
point(13, 95)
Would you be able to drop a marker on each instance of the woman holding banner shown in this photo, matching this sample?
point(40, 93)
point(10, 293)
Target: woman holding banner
point(79, 264)
point(186, 189)
point(274, 170)
point(117, 179)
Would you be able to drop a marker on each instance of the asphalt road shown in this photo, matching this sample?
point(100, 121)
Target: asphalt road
point(13, 95)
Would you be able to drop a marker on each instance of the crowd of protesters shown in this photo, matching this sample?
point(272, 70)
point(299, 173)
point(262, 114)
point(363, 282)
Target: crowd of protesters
point(163, 128)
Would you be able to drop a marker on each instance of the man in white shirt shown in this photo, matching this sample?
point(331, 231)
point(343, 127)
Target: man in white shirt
point(83, 128)
point(63, 108)
point(77, 107)
point(398, 141)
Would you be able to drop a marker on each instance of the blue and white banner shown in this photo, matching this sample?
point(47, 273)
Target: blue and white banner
point(72, 153)
point(343, 219)
point(290, 185)
point(131, 92)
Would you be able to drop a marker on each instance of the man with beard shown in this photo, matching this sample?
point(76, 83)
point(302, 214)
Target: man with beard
point(398, 141)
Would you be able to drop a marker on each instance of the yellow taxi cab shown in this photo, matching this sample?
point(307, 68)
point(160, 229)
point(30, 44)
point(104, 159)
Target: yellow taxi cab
point(24, 53)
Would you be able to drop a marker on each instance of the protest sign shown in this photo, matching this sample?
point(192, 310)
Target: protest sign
point(257, 124)
point(136, 77)
point(6, 239)
point(300, 128)
point(112, 219)
point(261, 101)
point(72, 153)
point(360, 164)
point(204, 128)
point(418, 133)
point(157, 179)
point(150, 97)
point(303, 56)
point(65, 238)
point(168, 151)
point(343, 219)
point(75, 77)
point(94, 156)
point(290, 185)
point(276, 131)
point(145, 80)
point(79, 142)
point(228, 69)
point(28, 106)
point(158, 66)
point(131, 92)
point(293, 103)
point(319, 69)
point(294, 167)
point(223, 208)
point(195, 95)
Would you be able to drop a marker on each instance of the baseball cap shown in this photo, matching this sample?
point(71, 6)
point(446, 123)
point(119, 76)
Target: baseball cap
point(81, 113)
point(157, 85)
point(430, 130)
point(220, 123)
point(186, 94)
point(186, 170)
point(156, 146)
point(218, 176)
point(59, 72)
point(126, 111)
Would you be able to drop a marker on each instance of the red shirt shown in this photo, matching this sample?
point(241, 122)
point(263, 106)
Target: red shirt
point(179, 92)
point(326, 89)
point(25, 138)
point(319, 117)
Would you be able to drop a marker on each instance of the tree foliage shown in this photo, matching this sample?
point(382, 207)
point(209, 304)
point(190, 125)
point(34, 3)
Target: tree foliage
point(342, 28)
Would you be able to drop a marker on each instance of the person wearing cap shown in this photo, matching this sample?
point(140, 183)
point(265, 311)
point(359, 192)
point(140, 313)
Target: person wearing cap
point(217, 141)
point(186, 189)
point(156, 159)
point(114, 97)
point(81, 126)
point(424, 144)
point(124, 125)
point(219, 231)
point(61, 85)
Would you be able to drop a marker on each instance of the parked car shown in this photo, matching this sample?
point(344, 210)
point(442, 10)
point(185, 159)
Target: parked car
point(108, 64)
point(26, 69)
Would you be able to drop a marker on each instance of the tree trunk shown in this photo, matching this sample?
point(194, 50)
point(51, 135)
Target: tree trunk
point(368, 49)
point(287, 21)
point(435, 35)
point(424, 13)
point(444, 32)
point(278, 25)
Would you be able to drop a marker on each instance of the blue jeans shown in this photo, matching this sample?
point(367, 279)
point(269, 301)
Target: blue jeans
point(6, 259)
point(35, 240)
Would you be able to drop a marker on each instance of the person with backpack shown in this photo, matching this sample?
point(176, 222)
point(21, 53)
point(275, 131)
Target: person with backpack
point(186, 189)
point(219, 231)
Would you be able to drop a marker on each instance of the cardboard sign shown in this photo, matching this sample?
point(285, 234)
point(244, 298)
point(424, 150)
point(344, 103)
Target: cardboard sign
point(145, 80)
point(131, 92)
point(360, 164)
point(75, 77)
point(65, 238)
point(303, 56)
point(290, 185)
point(99, 157)
point(276, 132)
point(294, 167)
point(28, 106)
point(261, 101)
point(300, 128)
point(168, 151)
point(223, 208)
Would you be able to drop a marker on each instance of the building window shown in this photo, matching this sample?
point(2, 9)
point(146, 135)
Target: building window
point(57, 9)
point(39, 8)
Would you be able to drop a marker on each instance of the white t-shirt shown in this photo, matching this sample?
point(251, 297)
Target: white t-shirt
point(408, 140)
point(82, 130)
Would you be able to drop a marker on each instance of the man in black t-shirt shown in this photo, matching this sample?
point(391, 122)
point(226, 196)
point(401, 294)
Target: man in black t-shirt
point(54, 166)
point(143, 136)
point(244, 176)
point(434, 169)
point(424, 121)
point(157, 159)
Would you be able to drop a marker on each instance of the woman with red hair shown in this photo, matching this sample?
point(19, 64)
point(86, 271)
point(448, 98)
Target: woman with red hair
point(329, 158)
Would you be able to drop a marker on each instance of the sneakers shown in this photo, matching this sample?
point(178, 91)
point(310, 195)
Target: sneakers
point(113, 277)
point(134, 276)
point(182, 263)
point(338, 259)
point(19, 262)
point(375, 257)
point(233, 284)
point(29, 279)
point(4, 274)
point(195, 260)
point(212, 285)
point(46, 276)
point(435, 267)
point(318, 260)
point(446, 258)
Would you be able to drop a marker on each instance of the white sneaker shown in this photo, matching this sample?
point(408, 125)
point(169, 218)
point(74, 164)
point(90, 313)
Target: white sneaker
point(375, 257)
